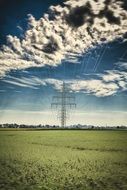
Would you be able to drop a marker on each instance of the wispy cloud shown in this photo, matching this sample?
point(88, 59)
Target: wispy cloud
point(122, 65)
point(64, 32)
point(32, 82)
point(107, 84)
point(2, 91)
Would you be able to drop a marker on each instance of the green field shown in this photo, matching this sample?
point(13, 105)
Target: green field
point(63, 160)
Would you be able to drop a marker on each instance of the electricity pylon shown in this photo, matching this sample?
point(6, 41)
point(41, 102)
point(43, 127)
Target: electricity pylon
point(63, 101)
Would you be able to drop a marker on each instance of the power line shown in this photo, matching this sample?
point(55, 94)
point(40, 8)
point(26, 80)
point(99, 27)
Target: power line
point(100, 57)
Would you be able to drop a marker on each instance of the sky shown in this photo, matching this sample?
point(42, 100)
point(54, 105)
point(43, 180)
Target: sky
point(84, 44)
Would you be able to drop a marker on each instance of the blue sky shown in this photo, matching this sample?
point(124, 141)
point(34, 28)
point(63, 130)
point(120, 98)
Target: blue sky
point(95, 75)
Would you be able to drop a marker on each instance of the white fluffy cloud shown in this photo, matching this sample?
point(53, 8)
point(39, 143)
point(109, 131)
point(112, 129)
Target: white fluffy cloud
point(64, 31)
point(95, 87)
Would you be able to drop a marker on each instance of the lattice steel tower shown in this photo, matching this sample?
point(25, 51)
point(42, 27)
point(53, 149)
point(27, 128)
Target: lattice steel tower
point(63, 101)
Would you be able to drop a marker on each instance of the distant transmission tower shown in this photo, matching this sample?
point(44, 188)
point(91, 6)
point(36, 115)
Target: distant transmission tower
point(63, 101)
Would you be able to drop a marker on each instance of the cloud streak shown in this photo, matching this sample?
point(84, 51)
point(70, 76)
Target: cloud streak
point(107, 84)
point(65, 30)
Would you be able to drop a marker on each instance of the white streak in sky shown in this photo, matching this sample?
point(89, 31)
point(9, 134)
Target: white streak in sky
point(107, 84)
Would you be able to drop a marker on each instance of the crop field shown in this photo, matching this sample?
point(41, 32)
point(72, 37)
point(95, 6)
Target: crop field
point(63, 160)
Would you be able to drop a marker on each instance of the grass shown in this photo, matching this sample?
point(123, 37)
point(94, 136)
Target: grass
point(63, 160)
